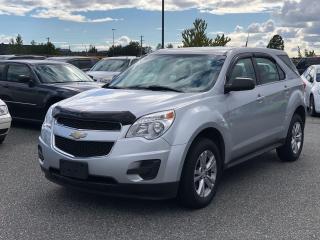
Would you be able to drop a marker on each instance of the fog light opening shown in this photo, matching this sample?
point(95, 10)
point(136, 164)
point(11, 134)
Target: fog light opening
point(147, 169)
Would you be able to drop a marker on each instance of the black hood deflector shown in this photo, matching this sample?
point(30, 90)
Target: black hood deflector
point(123, 117)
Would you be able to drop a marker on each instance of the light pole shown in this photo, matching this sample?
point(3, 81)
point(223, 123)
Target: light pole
point(162, 23)
point(113, 30)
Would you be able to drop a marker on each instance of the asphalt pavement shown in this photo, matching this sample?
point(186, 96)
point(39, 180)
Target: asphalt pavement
point(261, 199)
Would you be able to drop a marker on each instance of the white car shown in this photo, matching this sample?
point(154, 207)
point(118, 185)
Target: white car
point(311, 78)
point(5, 121)
point(108, 68)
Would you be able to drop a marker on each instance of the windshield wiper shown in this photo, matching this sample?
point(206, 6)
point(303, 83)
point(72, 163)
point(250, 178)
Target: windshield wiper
point(155, 88)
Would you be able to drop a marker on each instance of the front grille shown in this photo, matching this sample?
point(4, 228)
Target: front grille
point(3, 131)
point(83, 148)
point(89, 124)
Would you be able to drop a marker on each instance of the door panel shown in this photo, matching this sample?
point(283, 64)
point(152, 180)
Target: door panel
point(245, 111)
point(25, 99)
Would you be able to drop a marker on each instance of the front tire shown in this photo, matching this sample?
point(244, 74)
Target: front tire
point(2, 139)
point(292, 148)
point(201, 174)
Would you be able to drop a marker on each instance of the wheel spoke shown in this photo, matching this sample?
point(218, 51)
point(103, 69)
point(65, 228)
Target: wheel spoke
point(209, 182)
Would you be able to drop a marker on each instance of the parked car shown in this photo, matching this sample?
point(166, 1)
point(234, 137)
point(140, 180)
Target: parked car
point(306, 62)
point(169, 125)
point(30, 87)
point(17, 57)
point(5, 121)
point(83, 63)
point(106, 69)
point(311, 78)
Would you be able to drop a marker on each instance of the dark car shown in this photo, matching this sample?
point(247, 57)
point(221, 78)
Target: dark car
point(20, 57)
point(304, 63)
point(83, 63)
point(30, 87)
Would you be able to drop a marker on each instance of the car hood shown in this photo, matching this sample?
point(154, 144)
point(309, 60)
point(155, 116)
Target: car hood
point(138, 102)
point(76, 86)
point(102, 75)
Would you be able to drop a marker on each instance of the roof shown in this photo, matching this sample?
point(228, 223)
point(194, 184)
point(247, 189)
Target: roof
point(217, 50)
point(31, 61)
point(122, 57)
point(69, 58)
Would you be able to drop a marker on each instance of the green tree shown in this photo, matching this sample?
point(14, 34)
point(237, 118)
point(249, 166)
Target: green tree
point(92, 49)
point(309, 53)
point(159, 46)
point(221, 40)
point(276, 42)
point(197, 36)
point(19, 41)
point(33, 43)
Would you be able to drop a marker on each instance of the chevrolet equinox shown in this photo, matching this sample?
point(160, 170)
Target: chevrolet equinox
point(172, 123)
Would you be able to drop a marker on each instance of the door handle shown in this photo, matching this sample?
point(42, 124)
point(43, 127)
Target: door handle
point(6, 86)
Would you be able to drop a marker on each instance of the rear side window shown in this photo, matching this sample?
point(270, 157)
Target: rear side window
point(289, 63)
point(267, 70)
point(16, 71)
point(2, 66)
point(243, 69)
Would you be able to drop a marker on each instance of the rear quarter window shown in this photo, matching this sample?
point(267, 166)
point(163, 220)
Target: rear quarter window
point(289, 63)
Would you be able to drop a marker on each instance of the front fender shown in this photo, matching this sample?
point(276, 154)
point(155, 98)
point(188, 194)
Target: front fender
point(190, 122)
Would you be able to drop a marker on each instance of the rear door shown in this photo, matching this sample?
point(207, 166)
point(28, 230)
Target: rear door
point(274, 93)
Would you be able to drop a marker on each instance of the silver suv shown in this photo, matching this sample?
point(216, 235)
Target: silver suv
point(169, 125)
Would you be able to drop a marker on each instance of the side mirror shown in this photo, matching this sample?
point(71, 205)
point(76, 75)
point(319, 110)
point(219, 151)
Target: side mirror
point(26, 79)
point(240, 84)
point(311, 79)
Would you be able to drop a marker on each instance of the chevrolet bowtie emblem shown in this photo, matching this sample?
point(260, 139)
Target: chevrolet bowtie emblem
point(78, 135)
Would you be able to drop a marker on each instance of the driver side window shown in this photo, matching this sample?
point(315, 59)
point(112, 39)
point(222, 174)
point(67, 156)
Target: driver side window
point(243, 69)
point(17, 71)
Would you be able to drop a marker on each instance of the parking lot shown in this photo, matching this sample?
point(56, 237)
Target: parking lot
point(262, 199)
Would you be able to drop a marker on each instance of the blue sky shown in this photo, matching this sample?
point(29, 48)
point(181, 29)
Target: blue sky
point(80, 23)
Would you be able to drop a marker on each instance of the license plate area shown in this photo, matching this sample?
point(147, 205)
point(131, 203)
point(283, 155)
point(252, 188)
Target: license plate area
point(74, 169)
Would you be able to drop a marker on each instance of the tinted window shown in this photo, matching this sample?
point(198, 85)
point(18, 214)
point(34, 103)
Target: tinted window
point(288, 62)
point(85, 64)
point(57, 73)
point(111, 65)
point(187, 73)
point(2, 66)
point(267, 70)
point(16, 71)
point(243, 69)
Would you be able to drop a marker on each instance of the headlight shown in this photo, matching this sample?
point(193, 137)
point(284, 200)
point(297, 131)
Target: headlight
point(152, 126)
point(46, 127)
point(3, 110)
point(48, 119)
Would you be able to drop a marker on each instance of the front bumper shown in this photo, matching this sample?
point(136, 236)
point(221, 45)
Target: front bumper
point(140, 191)
point(125, 153)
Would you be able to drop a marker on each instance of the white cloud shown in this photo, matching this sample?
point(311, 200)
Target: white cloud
point(5, 38)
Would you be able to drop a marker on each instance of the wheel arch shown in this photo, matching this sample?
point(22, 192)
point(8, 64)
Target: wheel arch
point(211, 133)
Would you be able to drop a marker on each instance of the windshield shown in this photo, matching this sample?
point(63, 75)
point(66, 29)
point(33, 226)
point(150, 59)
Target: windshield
point(111, 65)
point(59, 73)
point(185, 73)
